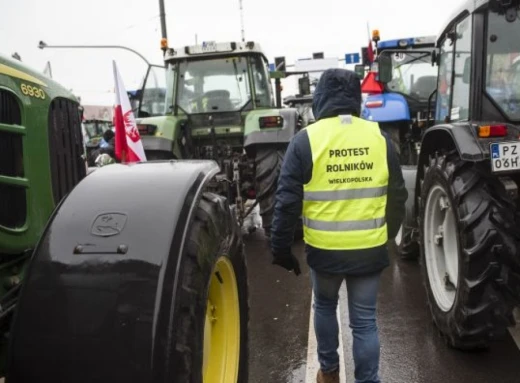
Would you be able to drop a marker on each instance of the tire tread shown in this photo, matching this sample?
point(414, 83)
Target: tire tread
point(214, 231)
point(481, 311)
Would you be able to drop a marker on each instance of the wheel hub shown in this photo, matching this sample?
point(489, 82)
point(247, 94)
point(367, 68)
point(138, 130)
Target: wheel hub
point(222, 326)
point(441, 247)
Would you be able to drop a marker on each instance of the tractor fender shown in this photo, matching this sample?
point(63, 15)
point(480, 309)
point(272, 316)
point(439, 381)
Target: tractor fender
point(460, 136)
point(98, 297)
point(456, 136)
point(394, 108)
point(447, 137)
point(280, 136)
point(157, 143)
point(409, 174)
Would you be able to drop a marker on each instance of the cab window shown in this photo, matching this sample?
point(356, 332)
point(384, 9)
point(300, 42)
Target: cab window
point(444, 81)
point(461, 83)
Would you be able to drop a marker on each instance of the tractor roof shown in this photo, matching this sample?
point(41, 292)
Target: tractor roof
point(407, 42)
point(16, 69)
point(469, 6)
point(213, 49)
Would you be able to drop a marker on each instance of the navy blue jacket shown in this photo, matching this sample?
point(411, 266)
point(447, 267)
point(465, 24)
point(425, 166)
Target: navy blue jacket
point(337, 93)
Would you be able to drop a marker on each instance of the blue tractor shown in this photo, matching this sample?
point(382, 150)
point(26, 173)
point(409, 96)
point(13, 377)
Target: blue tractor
point(402, 106)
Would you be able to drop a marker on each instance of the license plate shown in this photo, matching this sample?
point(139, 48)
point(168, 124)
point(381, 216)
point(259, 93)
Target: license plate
point(505, 156)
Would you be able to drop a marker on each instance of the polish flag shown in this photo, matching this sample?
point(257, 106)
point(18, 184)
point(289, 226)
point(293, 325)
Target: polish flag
point(370, 52)
point(128, 144)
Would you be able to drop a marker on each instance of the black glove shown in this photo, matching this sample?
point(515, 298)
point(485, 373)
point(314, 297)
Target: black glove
point(287, 260)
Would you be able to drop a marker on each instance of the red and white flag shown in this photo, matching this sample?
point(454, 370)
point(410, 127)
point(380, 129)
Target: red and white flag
point(128, 144)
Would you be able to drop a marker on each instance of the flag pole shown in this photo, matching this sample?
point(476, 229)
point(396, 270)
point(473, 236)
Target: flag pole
point(369, 43)
point(116, 90)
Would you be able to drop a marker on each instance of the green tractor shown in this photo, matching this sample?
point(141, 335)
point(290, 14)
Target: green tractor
point(41, 151)
point(217, 104)
point(93, 131)
point(131, 273)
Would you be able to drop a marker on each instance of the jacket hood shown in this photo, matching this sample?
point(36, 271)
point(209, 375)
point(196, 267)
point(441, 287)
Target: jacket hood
point(338, 92)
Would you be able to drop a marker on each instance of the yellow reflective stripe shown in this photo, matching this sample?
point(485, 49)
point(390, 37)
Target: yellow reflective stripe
point(9, 71)
point(340, 195)
point(350, 240)
point(344, 225)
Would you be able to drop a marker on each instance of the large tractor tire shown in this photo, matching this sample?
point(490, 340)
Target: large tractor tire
point(460, 249)
point(211, 339)
point(393, 131)
point(136, 288)
point(268, 165)
point(404, 149)
point(407, 246)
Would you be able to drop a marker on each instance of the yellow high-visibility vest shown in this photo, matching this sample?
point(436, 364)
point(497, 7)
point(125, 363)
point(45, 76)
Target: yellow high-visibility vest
point(344, 203)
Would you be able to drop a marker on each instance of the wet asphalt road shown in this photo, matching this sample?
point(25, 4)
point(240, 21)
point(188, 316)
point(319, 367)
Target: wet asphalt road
point(279, 316)
point(411, 349)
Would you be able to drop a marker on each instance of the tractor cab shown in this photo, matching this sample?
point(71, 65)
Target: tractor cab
point(94, 129)
point(414, 77)
point(206, 79)
point(400, 102)
point(501, 71)
point(215, 101)
point(150, 99)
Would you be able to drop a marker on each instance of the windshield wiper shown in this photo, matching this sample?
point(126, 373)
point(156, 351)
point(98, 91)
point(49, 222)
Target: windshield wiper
point(236, 77)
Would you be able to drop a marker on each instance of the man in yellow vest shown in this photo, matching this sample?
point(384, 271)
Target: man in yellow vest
point(342, 174)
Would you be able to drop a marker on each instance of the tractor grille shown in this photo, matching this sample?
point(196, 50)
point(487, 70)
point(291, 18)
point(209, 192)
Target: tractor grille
point(66, 147)
point(11, 154)
point(13, 209)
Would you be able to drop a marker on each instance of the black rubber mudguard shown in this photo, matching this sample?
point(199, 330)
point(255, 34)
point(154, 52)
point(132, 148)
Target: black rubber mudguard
point(98, 297)
point(465, 139)
point(409, 175)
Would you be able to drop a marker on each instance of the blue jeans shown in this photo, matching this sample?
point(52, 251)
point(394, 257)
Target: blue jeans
point(362, 300)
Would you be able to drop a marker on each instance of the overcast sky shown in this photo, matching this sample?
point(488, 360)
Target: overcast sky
point(283, 28)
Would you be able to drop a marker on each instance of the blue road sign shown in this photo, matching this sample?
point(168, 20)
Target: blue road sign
point(352, 58)
point(271, 67)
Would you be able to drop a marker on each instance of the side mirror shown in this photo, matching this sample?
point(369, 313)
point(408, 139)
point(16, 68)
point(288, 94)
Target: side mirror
point(304, 85)
point(466, 75)
point(360, 71)
point(435, 57)
point(385, 68)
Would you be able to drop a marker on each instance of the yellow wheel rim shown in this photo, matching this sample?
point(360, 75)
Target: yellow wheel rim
point(222, 326)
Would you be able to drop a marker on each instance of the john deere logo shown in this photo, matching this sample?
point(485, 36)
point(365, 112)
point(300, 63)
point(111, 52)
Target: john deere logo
point(108, 224)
